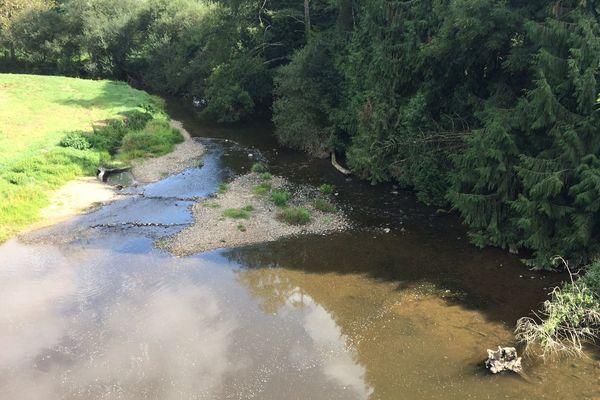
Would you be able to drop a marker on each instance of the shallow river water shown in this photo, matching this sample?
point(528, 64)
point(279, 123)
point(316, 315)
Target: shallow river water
point(90, 309)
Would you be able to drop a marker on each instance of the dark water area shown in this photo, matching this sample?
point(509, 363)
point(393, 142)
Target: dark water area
point(91, 309)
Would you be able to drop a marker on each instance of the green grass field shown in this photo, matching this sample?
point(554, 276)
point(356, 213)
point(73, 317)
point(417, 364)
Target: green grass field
point(38, 112)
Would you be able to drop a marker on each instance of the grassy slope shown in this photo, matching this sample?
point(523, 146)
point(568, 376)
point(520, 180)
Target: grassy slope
point(36, 112)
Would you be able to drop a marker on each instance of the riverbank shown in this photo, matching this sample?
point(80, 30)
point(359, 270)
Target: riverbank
point(85, 194)
point(256, 208)
point(54, 130)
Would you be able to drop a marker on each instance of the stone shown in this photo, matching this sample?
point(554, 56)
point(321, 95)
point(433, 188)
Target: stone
point(503, 359)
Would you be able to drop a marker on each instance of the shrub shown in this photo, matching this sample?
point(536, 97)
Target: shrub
point(295, 216)
point(280, 198)
point(326, 188)
point(258, 168)
point(137, 120)
point(108, 138)
point(569, 319)
point(324, 205)
point(266, 176)
point(262, 189)
point(76, 141)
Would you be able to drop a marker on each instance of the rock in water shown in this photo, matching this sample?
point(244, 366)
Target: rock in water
point(504, 359)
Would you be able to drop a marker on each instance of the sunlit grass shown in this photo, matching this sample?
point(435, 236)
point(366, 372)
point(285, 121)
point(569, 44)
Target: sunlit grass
point(36, 114)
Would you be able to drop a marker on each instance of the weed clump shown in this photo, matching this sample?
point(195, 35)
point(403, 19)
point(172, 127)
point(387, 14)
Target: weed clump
point(326, 188)
point(266, 176)
point(324, 205)
point(223, 188)
point(239, 213)
point(262, 189)
point(258, 168)
point(241, 228)
point(295, 216)
point(280, 198)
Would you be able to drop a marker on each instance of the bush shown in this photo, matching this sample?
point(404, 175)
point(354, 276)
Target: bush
point(258, 168)
point(76, 141)
point(280, 198)
point(266, 176)
point(295, 216)
point(324, 205)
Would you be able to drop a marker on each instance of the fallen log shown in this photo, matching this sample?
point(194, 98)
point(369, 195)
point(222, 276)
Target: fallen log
point(103, 173)
point(338, 166)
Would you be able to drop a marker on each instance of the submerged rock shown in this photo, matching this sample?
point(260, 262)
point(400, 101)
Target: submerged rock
point(503, 359)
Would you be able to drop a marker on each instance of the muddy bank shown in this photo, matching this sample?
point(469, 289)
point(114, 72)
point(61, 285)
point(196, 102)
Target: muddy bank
point(186, 155)
point(214, 229)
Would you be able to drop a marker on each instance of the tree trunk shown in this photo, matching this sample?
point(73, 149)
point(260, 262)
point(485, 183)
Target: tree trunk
point(307, 17)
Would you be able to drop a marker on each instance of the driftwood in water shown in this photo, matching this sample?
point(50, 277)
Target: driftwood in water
point(504, 359)
point(338, 166)
point(103, 173)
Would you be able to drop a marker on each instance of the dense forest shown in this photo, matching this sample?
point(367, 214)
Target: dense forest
point(487, 107)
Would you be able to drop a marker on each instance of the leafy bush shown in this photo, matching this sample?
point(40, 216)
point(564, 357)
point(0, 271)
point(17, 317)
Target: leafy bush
point(295, 216)
point(258, 168)
point(323, 205)
point(280, 198)
point(76, 141)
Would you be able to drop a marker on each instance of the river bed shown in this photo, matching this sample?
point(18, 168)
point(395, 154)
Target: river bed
point(90, 309)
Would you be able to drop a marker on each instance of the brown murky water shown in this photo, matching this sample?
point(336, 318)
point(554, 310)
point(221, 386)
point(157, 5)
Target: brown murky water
point(101, 314)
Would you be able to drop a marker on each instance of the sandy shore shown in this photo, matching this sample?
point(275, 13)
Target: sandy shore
point(213, 230)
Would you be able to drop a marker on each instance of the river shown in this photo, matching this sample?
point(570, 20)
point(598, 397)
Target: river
point(90, 309)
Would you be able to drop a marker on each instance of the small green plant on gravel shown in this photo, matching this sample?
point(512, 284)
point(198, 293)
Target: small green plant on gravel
point(326, 188)
point(223, 188)
point(258, 168)
point(238, 213)
point(295, 216)
point(324, 205)
point(266, 176)
point(262, 189)
point(280, 198)
point(241, 228)
point(211, 204)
